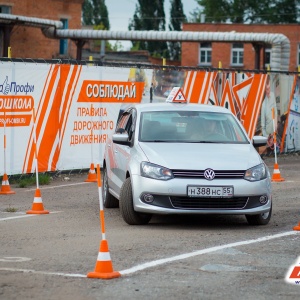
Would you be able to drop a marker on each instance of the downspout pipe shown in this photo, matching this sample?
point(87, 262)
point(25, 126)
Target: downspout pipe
point(280, 56)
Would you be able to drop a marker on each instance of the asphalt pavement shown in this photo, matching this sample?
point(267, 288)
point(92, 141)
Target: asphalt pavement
point(173, 257)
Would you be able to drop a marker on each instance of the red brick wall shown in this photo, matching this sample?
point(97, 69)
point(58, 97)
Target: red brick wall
point(159, 61)
point(222, 51)
point(29, 42)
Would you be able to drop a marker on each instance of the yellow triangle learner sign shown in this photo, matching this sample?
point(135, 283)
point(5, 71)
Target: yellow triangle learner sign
point(176, 95)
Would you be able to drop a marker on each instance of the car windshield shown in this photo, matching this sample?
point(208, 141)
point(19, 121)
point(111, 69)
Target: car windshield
point(190, 127)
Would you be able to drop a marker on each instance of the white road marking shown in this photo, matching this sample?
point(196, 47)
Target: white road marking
point(166, 260)
point(56, 186)
point(16, 217)
point(26, 215)
point(14, 259)
point(203, 251)
point(286, 181)
point(41, 272)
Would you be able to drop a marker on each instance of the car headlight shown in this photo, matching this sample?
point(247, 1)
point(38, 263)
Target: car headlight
point(257, 173)
point(156, 172)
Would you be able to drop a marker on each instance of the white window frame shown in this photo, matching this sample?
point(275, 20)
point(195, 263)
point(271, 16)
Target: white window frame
point(205, 49)
point(237, 51)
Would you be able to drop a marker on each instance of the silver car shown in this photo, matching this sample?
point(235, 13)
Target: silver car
point(175, 158)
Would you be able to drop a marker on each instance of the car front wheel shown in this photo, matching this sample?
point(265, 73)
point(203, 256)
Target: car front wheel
point(128, 213)
point(109, 201)
point(261, 219)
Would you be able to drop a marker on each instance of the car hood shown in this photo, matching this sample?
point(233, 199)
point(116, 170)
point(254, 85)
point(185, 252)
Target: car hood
point(200, 156)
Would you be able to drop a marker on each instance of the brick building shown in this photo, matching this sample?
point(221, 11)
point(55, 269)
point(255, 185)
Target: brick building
point(237, 55)
point(29, 42)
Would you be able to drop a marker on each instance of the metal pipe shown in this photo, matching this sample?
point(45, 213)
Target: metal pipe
point(280, 43)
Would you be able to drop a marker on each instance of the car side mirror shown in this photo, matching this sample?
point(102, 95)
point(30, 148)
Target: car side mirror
point(121, 138)
point(259, 141)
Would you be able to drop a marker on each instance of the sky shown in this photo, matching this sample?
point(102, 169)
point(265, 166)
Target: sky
point(120, 11)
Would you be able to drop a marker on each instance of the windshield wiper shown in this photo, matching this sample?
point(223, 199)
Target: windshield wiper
point(202, 142)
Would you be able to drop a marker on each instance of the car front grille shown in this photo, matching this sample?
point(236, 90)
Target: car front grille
point(208, 203)
point(199, 174)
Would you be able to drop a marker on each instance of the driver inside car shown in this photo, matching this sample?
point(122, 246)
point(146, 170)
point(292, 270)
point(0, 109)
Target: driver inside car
point(210, 126)
point(204, 129)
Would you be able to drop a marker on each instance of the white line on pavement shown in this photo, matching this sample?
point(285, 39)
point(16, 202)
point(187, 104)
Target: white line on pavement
point(203, 251)
point(16, 217)
point(41, 272)
point(56, 186)
point(25, 216)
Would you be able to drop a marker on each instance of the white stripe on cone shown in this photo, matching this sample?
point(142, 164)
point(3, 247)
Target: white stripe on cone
point(37, 200)
point(103, 256)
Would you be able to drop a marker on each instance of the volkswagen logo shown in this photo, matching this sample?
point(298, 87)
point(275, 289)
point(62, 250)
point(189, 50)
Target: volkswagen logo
point(209, 174)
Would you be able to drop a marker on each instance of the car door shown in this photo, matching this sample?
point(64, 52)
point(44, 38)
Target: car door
point(121, 153)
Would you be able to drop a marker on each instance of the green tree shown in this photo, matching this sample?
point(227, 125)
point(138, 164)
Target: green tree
point(177, 17)
point(214, 10)
point(150, 15)
point(283, 11)
point(94, 12)
point(248, 11)
point(87, 12)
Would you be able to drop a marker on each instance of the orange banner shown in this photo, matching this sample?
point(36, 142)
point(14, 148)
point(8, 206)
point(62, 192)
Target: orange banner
point(16, 103)
point(111, 91)
point(15, 120)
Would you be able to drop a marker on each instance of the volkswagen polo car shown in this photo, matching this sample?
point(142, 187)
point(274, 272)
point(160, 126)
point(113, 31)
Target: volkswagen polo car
point(175, 158)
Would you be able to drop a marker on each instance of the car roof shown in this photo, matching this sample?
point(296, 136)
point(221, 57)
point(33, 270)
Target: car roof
point(179, 106)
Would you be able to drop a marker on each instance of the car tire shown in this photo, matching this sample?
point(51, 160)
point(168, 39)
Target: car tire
point(128, 213)
point(261, 219)
point(109, 201)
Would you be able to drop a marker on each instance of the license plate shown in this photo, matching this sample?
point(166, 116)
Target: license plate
point(210, 191)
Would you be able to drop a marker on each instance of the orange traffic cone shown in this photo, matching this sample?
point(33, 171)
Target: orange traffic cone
point(276, 174)
point(37, 205)
point(92, 176)
point(5, 188)
point(103, 268)
point(297, 227)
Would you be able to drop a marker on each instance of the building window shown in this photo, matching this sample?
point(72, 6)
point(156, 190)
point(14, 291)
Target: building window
point(267, 56)
point(237, 54)
point(4, 9)
point(63, 44)
point(205, 54)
